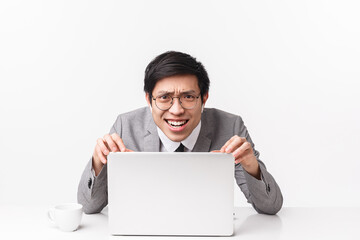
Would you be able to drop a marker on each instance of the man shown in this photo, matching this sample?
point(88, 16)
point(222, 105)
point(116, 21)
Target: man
point(176, 89)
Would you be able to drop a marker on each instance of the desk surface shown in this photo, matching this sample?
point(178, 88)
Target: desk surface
point(30, 222)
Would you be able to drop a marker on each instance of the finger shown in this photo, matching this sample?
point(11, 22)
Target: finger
point(215, 151)
point(104, 149)
point(100, 154)
point(119, 142)
point(237, 142)
point(241, 150)
point(222, 149)
point(244, 158)
point(227, 143)
point(110, 142)
point(239, 160)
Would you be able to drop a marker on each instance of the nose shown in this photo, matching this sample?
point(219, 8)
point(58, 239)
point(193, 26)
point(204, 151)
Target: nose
point(176, 107)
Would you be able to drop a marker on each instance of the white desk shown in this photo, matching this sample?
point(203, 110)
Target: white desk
point(30, 222)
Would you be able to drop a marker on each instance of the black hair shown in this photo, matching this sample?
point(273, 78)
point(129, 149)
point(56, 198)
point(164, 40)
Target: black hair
point(173, 63)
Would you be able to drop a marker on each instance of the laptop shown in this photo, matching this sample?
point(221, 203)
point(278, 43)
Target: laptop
point(158, 193)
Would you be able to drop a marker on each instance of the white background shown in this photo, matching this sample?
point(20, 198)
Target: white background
point(289, 68)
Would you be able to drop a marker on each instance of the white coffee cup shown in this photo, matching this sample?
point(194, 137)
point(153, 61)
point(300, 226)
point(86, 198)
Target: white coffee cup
point(66, 216)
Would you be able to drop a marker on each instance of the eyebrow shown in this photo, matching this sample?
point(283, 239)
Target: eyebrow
point(167, 92)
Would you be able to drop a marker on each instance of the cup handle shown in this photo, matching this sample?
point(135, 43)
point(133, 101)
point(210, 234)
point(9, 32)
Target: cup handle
point(50, 215)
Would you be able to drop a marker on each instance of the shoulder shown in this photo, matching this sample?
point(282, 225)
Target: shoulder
point(214, 115)
point(140, 112)
point(221, 125)
point(135, 116)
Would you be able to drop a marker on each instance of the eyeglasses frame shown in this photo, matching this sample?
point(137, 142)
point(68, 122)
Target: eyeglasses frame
point(172, 102)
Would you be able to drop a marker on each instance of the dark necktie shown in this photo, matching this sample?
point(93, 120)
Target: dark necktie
point(180, 148)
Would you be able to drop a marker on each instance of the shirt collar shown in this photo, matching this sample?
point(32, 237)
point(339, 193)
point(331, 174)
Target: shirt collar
point(188, 142)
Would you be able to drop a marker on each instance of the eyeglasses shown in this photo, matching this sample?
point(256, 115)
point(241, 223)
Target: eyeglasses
point(187, 101)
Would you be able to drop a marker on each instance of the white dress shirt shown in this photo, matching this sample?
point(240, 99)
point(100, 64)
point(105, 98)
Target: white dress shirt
point(170, 146)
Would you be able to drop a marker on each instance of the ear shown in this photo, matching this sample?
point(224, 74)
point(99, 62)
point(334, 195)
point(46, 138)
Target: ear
point(147, 99)
point(205, 98)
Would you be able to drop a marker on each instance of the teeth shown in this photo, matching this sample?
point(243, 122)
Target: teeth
point(173, 123)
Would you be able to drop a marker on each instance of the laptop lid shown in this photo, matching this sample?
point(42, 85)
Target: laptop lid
point(152, 193)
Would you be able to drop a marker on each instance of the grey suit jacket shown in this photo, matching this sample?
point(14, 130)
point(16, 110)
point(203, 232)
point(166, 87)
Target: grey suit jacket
point(139, 133)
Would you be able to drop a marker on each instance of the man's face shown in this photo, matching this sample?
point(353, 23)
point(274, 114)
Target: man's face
point(177, 123)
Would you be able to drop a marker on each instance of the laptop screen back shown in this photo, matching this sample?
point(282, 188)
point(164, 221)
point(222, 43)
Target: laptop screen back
point(171, 193)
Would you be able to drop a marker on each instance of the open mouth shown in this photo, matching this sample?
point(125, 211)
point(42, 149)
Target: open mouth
point(176, 123)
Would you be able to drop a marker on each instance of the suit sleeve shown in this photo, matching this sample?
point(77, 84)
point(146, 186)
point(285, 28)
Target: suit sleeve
point(265, 194)
point(93, 191)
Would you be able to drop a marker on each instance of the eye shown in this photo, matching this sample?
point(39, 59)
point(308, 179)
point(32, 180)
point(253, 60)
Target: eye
point(164, 97)
point(189, 97)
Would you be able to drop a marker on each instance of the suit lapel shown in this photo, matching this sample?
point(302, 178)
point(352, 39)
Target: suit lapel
point(203, 143)
point(151, 138)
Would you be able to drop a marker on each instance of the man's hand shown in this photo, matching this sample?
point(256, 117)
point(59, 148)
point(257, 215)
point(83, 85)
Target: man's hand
point(244, 154)
point(105, 145)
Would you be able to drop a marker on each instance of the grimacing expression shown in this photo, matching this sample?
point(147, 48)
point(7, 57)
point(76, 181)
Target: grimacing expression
point(177, 123)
